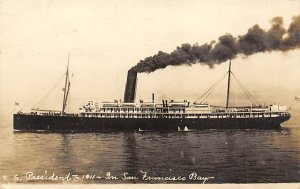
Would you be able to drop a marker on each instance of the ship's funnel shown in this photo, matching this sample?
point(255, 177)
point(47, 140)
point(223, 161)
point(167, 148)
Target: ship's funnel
point(129, 94)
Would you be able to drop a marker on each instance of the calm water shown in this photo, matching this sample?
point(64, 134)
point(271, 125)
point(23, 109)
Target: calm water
point(230, 156)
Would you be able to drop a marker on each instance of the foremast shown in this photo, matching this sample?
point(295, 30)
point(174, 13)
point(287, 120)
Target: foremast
point(66, 88)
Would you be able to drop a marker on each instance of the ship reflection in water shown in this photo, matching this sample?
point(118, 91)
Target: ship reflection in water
point(224, 156)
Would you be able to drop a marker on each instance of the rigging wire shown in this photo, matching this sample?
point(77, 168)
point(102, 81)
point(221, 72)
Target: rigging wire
point(250, 97)
point(210, 89)
point(248, 94)
point(39, 103)
point(207, 96)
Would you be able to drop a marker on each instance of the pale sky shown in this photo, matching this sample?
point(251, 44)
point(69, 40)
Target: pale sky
point(106, 38)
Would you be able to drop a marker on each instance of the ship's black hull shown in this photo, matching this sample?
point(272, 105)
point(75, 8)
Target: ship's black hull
point(25, 122)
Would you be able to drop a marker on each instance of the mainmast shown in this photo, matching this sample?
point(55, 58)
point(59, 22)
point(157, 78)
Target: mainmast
point(228, 85)
point(66, 89)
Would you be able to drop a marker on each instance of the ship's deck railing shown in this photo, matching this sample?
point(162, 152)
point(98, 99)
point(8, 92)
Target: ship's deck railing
point(184, 115)
point(171, 114)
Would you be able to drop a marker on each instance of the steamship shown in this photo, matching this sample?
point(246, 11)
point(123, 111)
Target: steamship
point(128, 115)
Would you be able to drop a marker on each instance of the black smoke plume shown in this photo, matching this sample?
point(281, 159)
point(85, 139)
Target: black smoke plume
point(256, 40)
